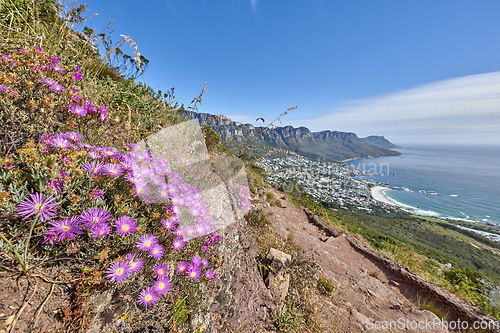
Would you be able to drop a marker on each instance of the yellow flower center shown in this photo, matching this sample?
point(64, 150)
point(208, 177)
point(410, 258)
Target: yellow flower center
point(66, 228)
point(148, 297)
point(125, 227)
point(160, 271)
point(193, 274)
point(95, 220)
point(161, 285)
point(101, 233)
point(132, 264)
point(109, 153)
point(147, 243)
point(38, 207)
point(119, 271)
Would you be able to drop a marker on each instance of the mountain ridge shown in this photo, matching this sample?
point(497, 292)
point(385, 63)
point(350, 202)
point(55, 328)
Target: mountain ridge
point(330, 145)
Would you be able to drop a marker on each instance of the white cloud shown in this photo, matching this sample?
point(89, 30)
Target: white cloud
point(459, 109)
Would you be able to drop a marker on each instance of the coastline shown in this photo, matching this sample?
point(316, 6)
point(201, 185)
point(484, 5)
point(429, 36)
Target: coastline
point(377, 193)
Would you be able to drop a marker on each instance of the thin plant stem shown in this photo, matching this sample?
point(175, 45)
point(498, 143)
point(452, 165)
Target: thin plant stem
point(26, 245)
point(18, 256)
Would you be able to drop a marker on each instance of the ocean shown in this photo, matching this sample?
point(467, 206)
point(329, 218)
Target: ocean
point(442, 181)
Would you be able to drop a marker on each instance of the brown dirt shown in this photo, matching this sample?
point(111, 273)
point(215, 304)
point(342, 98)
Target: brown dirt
point(365, 289)
point(32, 303)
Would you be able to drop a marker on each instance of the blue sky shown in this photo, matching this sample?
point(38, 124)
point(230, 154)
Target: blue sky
point(414, 71)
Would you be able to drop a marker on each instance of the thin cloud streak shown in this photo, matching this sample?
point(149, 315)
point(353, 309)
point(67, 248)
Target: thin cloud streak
point(466, 109)
point(254, 4)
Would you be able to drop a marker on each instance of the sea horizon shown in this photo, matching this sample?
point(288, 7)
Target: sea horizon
point(443, 181)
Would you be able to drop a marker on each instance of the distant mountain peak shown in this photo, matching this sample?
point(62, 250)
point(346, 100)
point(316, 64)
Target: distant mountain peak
point(380, 141)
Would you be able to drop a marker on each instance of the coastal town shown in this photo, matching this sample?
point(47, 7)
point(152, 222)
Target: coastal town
point(339, 184)
point(324, 181)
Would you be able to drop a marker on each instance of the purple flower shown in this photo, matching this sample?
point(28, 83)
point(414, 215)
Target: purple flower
point(179, 231)
point(77, 76)
point(39, 49)
point(104, 113)
point(168, 223)
point(56, 184)
point(146, 242)
point(113, 170)
point(193, 272)
point(66, 228)
point(178, 244)
point(94, 217)
point(118, 271)
point(182, 267)
point(60, 142)
point(108, 152)
point(57, 68)
point(156, 251)
point(125, 225)
point(196, 260)
point(188, 232)
point(57, 88)
point(161, 270)
point(89, 107)
point(77, 68)
point(3, 87)
point(75, 137)
point(50, 238)
point(93, 155)
point(142, 190)
point(162, 286)
point(147, 298)
point(56, 59)
point(46, 139)
point(100, 230)
point(94, 167)
point(210, 275)
point(97, 193)
point(37, 205)
point(78, 110)
point(135, 264)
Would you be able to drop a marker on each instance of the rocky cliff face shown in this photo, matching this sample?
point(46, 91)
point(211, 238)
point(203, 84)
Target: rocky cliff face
point(331, 145)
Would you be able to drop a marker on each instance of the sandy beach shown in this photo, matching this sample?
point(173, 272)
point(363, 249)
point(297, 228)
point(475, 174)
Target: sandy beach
point(377, 194)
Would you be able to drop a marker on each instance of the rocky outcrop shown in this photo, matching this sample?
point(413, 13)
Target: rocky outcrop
point(240, 301)
point(277, 277)
point(314, 219)
point(441, 298)
point(331, 145)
